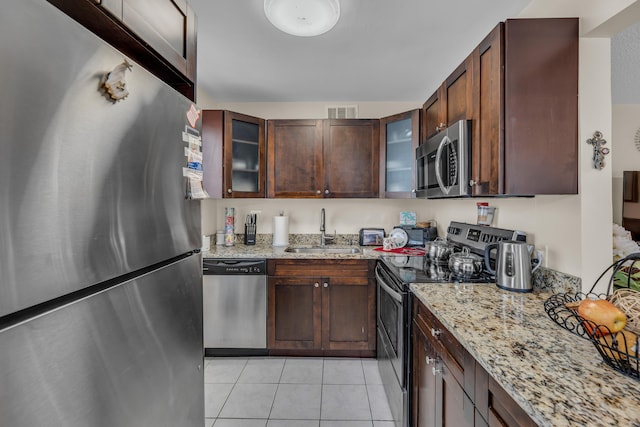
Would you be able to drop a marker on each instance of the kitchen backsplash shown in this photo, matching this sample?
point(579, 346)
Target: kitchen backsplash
point(548, 280)
point(544, 279)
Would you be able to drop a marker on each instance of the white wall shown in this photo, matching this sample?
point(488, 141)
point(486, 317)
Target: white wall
point(574, 231)
point(625, 156)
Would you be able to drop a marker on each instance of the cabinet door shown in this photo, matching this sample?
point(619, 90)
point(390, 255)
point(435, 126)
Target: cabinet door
point(488, 127)
point(168, 26)
point(433, 118)
point(423, 381)
point(541, 106)
point(295, 167)
point(294, 315)
point(348, 313)
point(399, 138)
point(458, 93)
point(244, 156)
point(351, 155)
point(453, 405)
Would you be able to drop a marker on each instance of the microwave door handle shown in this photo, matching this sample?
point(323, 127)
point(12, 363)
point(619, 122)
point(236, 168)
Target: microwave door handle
point(393, 294)
point(444, 142)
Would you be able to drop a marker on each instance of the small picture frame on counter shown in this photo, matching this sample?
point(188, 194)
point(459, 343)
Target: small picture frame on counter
point(408, 218)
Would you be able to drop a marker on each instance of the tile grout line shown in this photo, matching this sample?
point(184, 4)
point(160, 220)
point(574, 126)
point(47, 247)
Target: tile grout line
point(366, 388)
point(246, 361)
point(276, 393)
point(321, 392)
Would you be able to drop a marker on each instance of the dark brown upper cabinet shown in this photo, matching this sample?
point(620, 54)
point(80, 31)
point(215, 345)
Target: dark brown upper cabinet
point(520, 89)
point(541, 106)
point(233, 148)
point(452, 101)
point(323, 158)
point(158, 34)
point(399, 138)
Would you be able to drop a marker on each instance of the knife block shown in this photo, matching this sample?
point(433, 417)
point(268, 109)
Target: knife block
point(249, 234)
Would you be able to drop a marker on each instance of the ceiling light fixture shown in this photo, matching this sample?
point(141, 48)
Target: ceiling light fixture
point(305, 18)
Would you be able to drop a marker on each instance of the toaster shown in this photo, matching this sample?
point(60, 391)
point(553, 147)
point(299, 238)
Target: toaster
point(371, 236)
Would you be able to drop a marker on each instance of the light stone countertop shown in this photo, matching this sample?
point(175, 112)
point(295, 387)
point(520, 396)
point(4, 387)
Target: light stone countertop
point(266, 250)
point(558, 378)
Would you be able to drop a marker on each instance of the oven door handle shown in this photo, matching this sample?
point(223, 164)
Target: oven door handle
point(393, 294)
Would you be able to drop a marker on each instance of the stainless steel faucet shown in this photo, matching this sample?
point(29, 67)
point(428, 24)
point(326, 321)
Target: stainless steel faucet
point(325, 238)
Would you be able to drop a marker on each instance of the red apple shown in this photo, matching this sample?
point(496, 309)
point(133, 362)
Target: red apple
point(607, 317)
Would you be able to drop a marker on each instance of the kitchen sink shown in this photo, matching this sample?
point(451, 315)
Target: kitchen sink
point(321, 250)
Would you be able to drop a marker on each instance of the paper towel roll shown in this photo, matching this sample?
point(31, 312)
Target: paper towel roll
point(280, 230)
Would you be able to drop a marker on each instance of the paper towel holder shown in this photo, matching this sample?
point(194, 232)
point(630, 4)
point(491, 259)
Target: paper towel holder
point(281, 230)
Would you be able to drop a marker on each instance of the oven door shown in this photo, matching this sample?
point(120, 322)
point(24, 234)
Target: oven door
point(392, 344)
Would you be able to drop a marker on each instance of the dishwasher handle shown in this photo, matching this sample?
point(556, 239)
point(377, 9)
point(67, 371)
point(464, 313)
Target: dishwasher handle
point(229, 267)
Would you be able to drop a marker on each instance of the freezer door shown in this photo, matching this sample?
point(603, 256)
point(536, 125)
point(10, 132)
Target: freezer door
point(91, 188)
point(129, 356)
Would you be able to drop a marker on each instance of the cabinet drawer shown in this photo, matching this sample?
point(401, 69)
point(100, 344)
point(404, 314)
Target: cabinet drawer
point(320, 267)
point(435, 329)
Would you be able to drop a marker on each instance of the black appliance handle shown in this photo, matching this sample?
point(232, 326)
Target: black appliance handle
point(487, 256)
point(393, 294)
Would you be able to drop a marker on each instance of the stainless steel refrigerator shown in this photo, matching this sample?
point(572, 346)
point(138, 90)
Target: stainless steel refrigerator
point(100, 275)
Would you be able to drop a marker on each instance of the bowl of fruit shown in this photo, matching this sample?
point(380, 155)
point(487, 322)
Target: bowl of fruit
point(611, 321)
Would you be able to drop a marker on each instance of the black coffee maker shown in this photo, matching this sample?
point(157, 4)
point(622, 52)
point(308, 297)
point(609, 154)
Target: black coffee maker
point(418, 236)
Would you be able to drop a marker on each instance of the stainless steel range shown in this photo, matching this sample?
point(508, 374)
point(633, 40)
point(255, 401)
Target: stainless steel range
point(394, 274)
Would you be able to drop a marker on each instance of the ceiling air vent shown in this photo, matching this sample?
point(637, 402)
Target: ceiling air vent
point(342, 112)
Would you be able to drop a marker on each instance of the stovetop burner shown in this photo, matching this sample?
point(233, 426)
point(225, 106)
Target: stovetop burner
point(420, 269)
point(415, 269)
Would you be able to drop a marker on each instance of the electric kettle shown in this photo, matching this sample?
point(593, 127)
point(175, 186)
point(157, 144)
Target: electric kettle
point(513, 264)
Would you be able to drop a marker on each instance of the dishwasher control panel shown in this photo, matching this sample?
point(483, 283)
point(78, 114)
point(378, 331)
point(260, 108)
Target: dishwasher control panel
point(228, 267)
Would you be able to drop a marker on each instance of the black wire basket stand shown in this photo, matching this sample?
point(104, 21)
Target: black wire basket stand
point(620, 350)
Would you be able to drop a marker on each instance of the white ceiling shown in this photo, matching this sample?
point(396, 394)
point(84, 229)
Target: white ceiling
point(380, 50)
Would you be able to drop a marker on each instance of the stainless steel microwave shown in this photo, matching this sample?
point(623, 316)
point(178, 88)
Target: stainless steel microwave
point(443, 163)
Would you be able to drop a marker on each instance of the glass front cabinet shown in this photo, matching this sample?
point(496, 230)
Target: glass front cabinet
point(234, 159)
point(399, 138)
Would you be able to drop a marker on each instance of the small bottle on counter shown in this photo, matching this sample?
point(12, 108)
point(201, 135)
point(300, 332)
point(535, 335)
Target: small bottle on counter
point(485, 213)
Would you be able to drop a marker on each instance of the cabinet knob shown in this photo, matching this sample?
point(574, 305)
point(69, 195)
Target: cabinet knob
point(435, 332)
point(318, 192)
point(326, 191)
point(325, 284)
point(413, 190)
point(429, 360)
point(472, 183)
point(316, 285)
point(229, 190)
point(436, 370)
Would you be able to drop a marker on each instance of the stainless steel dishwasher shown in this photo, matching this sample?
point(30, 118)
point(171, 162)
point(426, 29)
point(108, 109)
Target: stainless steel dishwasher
point(234, 306)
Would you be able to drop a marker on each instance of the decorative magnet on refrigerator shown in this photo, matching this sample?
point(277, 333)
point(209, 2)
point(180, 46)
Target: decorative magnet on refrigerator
point(114, 84)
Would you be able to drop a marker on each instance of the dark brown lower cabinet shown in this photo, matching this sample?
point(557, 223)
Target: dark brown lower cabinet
point(294, 313)
point(424, 382)
point(321, 307)
point(495, 405)
point(439, 397)
point(449, 387)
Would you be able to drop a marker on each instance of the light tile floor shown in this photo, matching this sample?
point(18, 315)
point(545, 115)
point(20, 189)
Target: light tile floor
point(294, 392)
